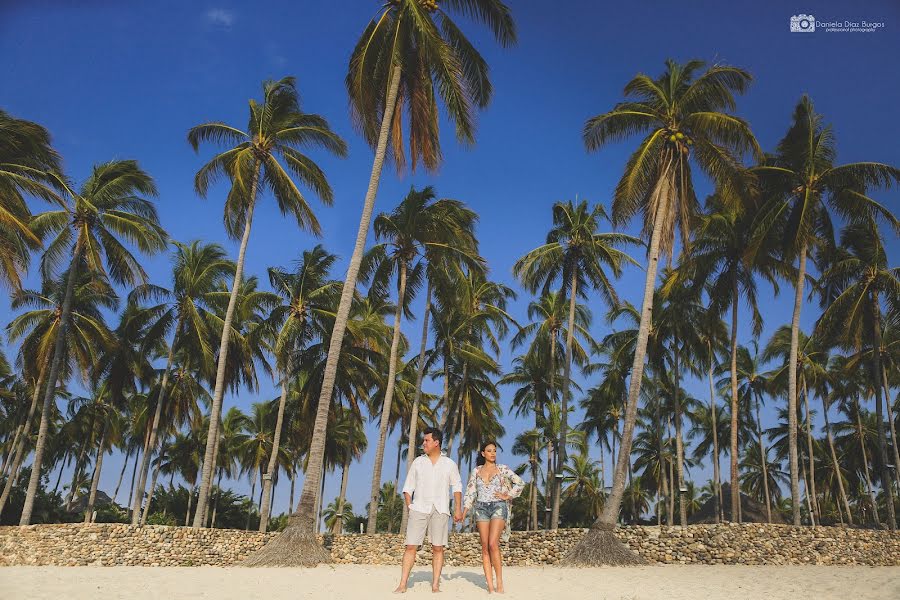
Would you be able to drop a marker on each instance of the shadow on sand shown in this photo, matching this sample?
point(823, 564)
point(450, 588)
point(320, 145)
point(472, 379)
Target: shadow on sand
point(423, 578)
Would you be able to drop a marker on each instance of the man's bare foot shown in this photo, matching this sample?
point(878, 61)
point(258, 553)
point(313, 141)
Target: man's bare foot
point(401, 589)
point(435, 589)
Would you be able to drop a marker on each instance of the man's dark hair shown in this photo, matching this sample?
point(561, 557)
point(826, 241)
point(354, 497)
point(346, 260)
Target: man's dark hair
point(436, 434)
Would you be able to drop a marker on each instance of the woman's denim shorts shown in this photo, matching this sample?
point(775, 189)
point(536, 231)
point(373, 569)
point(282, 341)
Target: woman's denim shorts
point(486, 511)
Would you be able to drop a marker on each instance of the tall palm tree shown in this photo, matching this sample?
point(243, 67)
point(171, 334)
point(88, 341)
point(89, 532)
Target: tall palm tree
point(812, 368)
point(753, 384)
point(804, 186)
point(308, 296)
point(410, 54)
point(577, 256)
point(857, 277)
point(197, 271)
point(38, 329)
point(528, 444)
point(111, 204)
point(719, 260)
point(26, 162)
point(418, 223)
point(267, 155)
point(686, 118)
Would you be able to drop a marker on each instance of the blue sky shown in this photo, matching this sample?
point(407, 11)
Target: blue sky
point(126, 80)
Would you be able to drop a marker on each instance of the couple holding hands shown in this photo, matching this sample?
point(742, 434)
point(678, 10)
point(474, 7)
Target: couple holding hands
point(426, 492)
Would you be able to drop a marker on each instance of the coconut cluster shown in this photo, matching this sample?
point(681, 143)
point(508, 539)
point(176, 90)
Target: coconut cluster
point(680, 141)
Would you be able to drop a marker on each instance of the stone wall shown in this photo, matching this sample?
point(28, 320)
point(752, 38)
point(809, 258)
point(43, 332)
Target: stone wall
point(115, 544)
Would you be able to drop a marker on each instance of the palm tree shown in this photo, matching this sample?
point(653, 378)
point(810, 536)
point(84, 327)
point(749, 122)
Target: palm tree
point(409, 55)
point(26, 162)
point(753, 384)
point(719, 260)
point(803, 186)
point(308, 296)
point(338, 515)
point(575, 254)
point(111, 204)
point(853, 283)
point(685, 117)
point(265, 156)
point(417, 224)
point(528, 443)
point(813, 359)
point(38, 329)
point(198, 269)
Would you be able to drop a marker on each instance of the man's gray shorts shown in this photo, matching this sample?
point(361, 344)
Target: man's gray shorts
point(437, 525)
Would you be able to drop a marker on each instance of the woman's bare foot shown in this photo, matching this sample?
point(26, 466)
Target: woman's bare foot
point(499, 589)
point(435, 589)
point(401, 589)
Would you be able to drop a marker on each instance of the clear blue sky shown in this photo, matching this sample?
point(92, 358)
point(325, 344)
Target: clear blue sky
point(127, 79)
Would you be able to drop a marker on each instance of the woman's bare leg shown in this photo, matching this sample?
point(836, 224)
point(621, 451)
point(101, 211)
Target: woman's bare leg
point(484, 533)
point(496, 528)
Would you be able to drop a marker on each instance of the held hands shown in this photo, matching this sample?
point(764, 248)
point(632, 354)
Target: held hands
point(458, 516)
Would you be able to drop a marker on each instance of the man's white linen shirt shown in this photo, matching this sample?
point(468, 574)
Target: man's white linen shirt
point(429, 484)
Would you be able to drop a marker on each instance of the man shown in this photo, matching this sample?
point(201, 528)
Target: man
point(429, 480)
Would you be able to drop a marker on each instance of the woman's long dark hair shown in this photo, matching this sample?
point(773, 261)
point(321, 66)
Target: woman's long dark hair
point(479, 460)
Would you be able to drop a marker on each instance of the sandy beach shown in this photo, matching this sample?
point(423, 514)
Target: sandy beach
point(351, 581)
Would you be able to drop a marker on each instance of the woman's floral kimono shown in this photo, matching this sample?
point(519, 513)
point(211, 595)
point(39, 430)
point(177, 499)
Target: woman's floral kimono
point(510, 483)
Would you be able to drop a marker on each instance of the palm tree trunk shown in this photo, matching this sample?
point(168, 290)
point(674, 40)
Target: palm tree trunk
point(311, 552)
point(146, 512)
point(792, 385)
point(52, 379)
point(154, 427)
point(460, 409)
point(215, 460)
point(80, 465)
point(388, 399)
point(671, 515)
point(95, 480)
point(293, 483)
point(399, 458)
point(137, 460)
point(735, 470)
point(834, 461)
point(21, 441)
point(614, 502)
point(679, 443)
point(534, 488)
point(187, 513)
point(564, 421)
point(811, 455)
point(764, 457)
point(717, 484)
point(862, 449)
point(252, 493)
point(890, 420)
point(345, 474)
point(121, 476)
point(215, 508)
point(15, 456)
point(882, 442)
point(809, 506)
point(551, 471)
point(412, 437)
point(319, 499)
point(219, 391)
point(273, 457)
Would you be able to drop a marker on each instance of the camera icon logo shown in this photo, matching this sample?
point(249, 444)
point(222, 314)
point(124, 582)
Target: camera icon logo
point(803, 24)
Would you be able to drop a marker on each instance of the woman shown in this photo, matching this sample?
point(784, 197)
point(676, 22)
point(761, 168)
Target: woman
point(491, 489)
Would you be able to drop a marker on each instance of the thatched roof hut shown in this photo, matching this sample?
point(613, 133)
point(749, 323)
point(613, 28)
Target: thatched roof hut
point(752, 511)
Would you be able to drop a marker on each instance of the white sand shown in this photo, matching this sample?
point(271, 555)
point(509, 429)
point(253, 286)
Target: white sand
point(370, 582)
